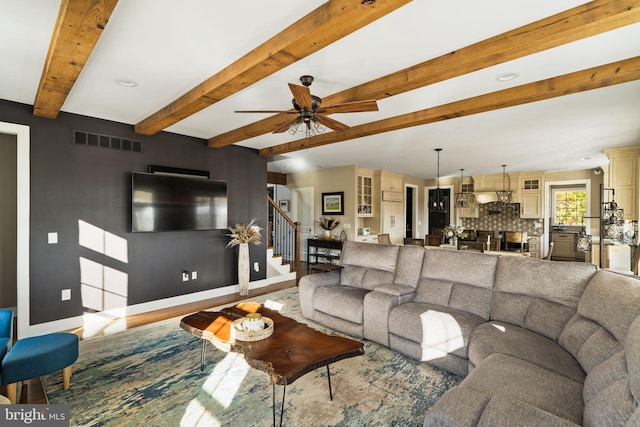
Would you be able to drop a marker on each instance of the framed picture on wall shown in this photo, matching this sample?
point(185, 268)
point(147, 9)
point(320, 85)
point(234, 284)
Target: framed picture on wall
point(333, 203)
point(284, 205)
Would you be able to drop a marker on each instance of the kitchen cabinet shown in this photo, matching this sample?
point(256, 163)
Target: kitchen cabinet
point(364, 199)
point(391, 181)
point(534, 245)
point(372, 238)
point(472, 211)
point(622, 176)
point(531, 204)
point(564, 248)
point(531, 196)
point(393, 221)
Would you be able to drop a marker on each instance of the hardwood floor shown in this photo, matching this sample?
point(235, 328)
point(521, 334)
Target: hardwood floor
point(32, 391)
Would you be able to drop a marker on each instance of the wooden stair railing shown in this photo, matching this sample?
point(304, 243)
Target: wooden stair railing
point(283, 235)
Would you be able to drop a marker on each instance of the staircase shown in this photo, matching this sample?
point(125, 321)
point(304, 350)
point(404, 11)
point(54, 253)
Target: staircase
point(283, 242)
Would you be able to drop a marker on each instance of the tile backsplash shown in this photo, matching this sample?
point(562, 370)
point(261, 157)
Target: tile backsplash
point(494, 217)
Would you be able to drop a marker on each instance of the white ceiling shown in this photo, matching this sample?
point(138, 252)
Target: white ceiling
point(168, 47)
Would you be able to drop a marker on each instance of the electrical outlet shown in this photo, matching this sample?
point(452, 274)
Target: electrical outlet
point(185, 276)
point(346, 226)
point(256, 266)
point(194, 275)
point(66, 295)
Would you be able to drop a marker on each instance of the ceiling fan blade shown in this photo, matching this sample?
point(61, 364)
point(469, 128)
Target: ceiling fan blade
point(302, 95)
point(267, 111)
point(330, 123)
point(283, 127)
point(351, 107)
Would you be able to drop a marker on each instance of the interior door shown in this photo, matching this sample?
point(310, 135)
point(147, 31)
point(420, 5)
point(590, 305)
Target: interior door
point(303, 208)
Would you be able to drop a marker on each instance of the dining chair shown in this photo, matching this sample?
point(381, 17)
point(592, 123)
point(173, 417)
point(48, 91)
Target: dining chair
point(413, 241)
point(384, 239)
point(548, 256)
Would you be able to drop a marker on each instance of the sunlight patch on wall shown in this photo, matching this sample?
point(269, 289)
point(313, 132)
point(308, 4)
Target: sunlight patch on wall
point(104, 290)
point(101, 241)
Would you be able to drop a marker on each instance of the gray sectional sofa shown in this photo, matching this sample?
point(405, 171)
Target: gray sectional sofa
point(541, 343)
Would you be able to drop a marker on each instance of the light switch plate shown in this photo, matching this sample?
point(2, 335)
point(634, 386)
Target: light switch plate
point(52, 238)
point(66, 295)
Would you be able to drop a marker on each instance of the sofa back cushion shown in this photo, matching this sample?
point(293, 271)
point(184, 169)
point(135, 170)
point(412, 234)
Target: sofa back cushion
point(608, 307)
point(539, 295)
point(367, 265)
point(604, 336)
point(457, 279)
point(409, 266)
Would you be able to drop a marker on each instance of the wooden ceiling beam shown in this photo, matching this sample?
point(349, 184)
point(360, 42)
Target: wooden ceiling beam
point(579, 81)
point(78, 27)
point(586, 20)
point(328, 23)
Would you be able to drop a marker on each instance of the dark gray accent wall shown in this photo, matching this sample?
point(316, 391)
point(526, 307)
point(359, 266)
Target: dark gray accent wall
point(71, 183)
point(8, 217)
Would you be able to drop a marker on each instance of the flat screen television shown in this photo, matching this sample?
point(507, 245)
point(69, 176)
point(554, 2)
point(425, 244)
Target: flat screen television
point(168, 203)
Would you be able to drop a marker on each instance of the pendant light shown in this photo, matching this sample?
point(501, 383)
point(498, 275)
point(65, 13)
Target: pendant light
point(439, 201)
point(504, 196)
point(464, 199)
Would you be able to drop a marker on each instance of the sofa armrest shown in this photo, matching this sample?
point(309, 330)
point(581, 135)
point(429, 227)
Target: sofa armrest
point(396, 290)
point(377, 306)
point(308, 285)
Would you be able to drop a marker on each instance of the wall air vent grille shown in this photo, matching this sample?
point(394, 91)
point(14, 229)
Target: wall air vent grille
point(106, 141)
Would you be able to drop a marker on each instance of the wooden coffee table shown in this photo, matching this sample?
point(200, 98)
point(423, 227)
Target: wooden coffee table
point(293, 349)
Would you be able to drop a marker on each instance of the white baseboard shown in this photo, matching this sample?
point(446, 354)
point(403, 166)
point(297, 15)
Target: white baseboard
point(112, 316)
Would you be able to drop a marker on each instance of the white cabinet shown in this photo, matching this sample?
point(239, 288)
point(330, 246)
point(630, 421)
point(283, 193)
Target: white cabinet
point(623, 177)
point(531, 205)
point(472, 211)
point(364, 200)
point(393, 221)
point(391, 182)
point(372, 238)
point(531, 196)
point(534, 246)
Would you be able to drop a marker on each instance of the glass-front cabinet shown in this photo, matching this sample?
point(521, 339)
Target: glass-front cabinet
point(365, 196)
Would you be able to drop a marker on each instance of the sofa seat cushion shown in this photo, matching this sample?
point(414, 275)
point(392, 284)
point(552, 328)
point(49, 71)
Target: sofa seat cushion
point(344, 302)
point(501, 337)
point(501, 374)
point(437, 328)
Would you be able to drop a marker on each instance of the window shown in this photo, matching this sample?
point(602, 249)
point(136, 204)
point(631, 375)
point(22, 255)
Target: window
point(569, 206)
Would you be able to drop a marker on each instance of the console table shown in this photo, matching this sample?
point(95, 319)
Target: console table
point(325, 251)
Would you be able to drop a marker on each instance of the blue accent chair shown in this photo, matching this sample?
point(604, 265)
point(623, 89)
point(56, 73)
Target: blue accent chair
point(6, 331)
point(37, 356)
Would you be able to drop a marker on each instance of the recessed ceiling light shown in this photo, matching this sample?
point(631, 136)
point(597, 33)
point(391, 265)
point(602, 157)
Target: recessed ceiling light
point(505, 77)
point(126, 82)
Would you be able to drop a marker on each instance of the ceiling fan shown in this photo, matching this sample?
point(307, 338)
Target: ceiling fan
point(311, 114)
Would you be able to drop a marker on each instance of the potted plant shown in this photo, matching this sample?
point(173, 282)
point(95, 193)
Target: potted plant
point(328, 223)
point(242, 235)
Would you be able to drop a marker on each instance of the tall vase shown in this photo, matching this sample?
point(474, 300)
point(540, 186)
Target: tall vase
point(454, 241)
point(243, 268)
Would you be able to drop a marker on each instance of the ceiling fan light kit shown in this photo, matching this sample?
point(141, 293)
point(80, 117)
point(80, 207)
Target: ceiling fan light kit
point(307, 108)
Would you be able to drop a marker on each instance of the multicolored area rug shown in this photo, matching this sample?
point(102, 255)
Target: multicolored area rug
point(150, 376)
